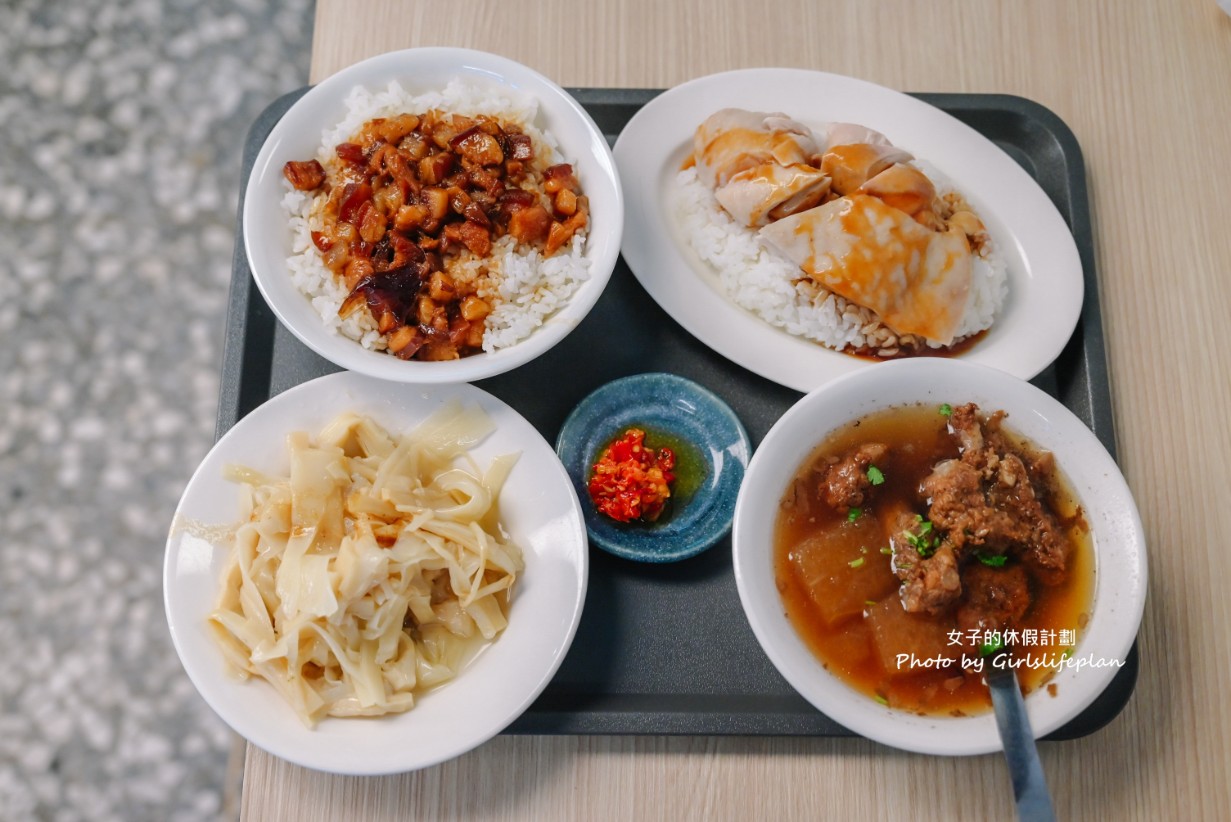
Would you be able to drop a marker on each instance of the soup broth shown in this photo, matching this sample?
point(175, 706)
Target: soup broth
point(857, 573)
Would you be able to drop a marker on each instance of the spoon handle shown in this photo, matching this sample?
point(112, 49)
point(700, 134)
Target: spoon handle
point(1029, 784)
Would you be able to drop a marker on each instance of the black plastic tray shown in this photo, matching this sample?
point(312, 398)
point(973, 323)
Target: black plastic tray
point(667, 649)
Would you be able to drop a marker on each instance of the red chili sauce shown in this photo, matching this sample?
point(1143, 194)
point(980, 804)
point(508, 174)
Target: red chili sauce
point(632, 481)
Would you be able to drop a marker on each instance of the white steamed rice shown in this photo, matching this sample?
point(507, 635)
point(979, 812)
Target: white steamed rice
point(524, 288)
point(774, 289)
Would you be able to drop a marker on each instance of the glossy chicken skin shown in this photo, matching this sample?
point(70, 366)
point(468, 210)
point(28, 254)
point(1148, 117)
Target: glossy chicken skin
point(844, 134)
point(917, 280)
point(904, 187)
point(733, 140)
point(761, 166)
point(850, 166)
point(759, 195)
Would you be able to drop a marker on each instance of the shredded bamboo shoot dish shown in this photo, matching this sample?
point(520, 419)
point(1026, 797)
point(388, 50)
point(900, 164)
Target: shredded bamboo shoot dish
point(374, 571)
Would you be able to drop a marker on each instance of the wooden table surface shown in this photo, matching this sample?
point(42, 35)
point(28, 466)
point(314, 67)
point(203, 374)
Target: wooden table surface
point(1146, 87)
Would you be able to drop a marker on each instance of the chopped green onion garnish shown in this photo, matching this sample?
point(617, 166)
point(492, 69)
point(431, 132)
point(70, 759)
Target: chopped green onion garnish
point(886, 550)
point(1068, 652)
point(882, 700)
point(875, 476)
point(993, 561)
point(925, 542)
point(854, 514)
point(855, 563)
point(946, 410)
point(989, 648)
point(869, 602)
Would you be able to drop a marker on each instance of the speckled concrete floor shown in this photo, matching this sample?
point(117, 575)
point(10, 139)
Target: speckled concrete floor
point(121, 125)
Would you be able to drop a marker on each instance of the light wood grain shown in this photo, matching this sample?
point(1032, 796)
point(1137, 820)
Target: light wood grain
point(1146, 87)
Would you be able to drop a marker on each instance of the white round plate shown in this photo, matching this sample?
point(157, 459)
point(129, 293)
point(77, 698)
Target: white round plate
point(1107, 503)
point(539, 509)
point(267, 233)
point(1045, 275)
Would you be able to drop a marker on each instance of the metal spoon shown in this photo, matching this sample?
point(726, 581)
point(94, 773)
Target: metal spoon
point(1029, 784)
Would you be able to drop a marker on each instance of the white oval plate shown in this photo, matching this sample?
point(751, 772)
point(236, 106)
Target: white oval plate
point(1107, 503)
point(539, 509)
point(1045, 275)
point(267, 234)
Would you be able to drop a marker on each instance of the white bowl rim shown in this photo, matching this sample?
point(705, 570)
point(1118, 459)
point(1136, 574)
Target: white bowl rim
point(602, 183)
point(1116, 530)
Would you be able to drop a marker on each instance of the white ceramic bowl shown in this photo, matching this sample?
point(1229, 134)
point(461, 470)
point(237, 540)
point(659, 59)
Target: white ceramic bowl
point(267, 235)
point(538, 507)
point(1119, 545)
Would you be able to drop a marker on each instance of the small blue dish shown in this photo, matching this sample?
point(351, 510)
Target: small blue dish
point(712, 451)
